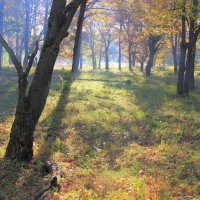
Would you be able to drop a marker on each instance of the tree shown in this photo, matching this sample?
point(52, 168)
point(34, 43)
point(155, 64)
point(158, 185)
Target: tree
point(31, 101)
point(26, 31)
point(153, 48)
point(1, 28)
point(78, 38)
point(194, 30)
point(188, 49)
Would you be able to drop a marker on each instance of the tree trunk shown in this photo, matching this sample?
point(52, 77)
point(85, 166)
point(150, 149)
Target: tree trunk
point(193, 35)
point(30, 105)
point(150, 62)
point(100, 57)
point(78, 38)
point(183, 49)
point(26, 32)
point(174, 43)
point(46, 17)
point(1, 30)
point(141, 66)
point(81, 61)
point(107, 60)
point(120, 49)
point(153, 47)
point(188, 71)
point(94, 64)
point(130, 56)
point(192, 65)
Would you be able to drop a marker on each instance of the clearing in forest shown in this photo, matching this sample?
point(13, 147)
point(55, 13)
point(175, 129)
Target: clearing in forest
point(110, 136)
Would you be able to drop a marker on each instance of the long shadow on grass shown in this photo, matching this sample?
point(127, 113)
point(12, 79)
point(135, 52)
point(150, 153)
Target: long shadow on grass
point(18, 180)
point(56, 129)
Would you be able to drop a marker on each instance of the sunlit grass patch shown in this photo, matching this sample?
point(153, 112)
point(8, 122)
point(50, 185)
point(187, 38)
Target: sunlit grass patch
point(113, 136)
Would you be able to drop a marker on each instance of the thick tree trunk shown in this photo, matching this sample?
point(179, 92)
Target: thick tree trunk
point(1, 30)
point(78, 38)
point(193, 35)
point(21, 138)
point(31, 105)
point(26, 32)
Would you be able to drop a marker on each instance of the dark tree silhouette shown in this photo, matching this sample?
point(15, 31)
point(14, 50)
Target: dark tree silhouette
point(31, 101)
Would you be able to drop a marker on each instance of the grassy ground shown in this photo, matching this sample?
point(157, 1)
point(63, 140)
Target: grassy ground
point(112, 136)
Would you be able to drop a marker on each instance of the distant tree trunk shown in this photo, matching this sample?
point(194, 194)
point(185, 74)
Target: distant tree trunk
point(81, 61)
point(26, 32)
point(78, 38)
point(31, 104)
point(18, 41)
point(183, 49)
point(1, 30)
point(130, 56)
point(46, 17)
point(94, 63)
point(174, 43)
point(153, 47)
point(134, 61)
point(107, 60)
point(120, 49)
point(100, 57)
point(21, 48)
point(141, 66)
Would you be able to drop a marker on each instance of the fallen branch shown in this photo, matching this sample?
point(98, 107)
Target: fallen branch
point(53, 183)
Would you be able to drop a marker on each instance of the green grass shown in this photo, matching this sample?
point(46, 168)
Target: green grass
point(112, 135)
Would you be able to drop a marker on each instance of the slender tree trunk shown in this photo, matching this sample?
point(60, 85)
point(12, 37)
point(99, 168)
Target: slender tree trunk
point(120, 49)
point(78, 38)
point(81, 61)
point(94, 63)
point(174, 43)
point(21, 48)
point(107, 59)
point(46, 17)
point(26, 32)
point(192, 65)
point(31, 104)
point(1, 30)
point(183, 49)
point(100, 57)
point(130, 56)
point(141, 66)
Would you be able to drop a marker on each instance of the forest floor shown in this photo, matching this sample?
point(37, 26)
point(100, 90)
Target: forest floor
point(110, 136)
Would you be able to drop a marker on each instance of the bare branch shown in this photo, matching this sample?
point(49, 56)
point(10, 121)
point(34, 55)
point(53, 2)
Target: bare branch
point(31, 58)
point(12, 55)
